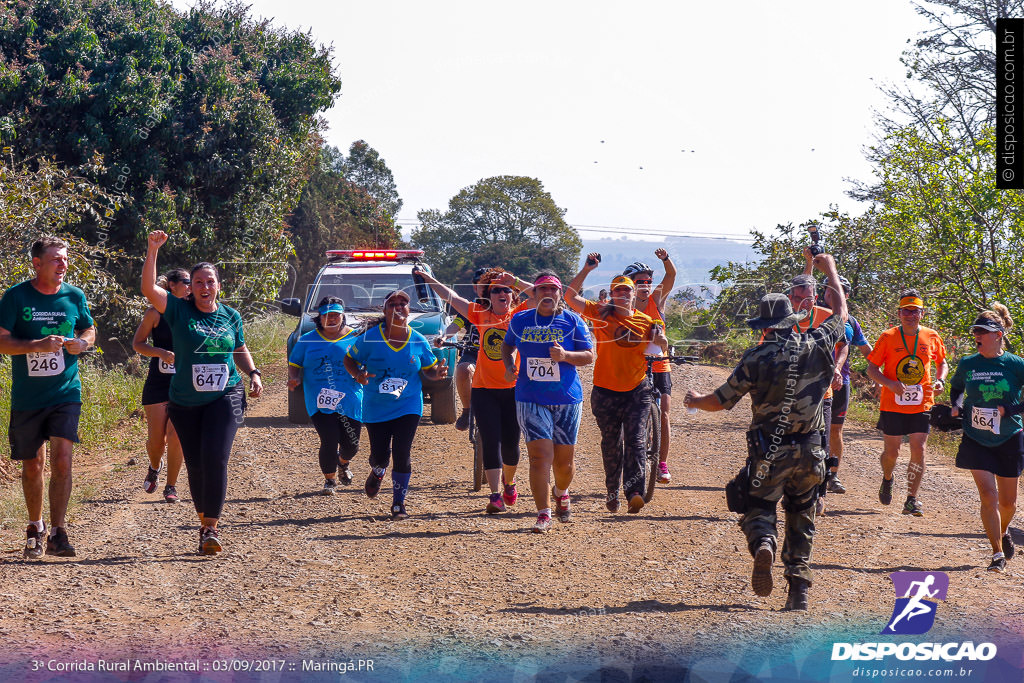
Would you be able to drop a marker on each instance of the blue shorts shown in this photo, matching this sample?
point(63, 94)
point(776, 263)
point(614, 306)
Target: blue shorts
point(560, 424)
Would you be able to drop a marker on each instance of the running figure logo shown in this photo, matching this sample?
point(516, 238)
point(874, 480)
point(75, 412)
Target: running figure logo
point(914, 613)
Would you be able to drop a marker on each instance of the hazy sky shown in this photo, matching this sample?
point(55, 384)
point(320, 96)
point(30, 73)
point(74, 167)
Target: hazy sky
point(676, 117)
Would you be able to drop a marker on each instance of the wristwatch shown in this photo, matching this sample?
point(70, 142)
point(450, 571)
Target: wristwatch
point(255, 371)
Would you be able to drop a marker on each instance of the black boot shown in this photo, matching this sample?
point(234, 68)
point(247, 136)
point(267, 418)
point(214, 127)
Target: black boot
point(797, 599)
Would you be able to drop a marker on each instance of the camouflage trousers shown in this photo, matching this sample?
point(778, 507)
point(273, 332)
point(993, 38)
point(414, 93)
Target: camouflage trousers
point(792, 474)
point(620, 416)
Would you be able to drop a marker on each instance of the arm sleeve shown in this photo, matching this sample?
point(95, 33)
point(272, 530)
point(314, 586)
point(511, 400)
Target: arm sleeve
point(85, 320)
point(739, 383)
point(581, 335)
point(512, 333)
point(957, 388)
point(8, 314)
point(425, 353)
point(298, 354)
point(239, 332)
point(858, 335)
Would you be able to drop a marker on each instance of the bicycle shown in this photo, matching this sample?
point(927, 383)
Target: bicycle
point(652, 422)
point(478, 450)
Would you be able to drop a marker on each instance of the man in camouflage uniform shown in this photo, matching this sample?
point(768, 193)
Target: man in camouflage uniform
point(786, 376)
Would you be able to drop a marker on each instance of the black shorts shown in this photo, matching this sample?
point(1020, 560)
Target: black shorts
point(663, 382)
point(1004, 460)
point(30, 429)
point(900, 424)
point(467, 357)
point(840, 403)
point(156, 389)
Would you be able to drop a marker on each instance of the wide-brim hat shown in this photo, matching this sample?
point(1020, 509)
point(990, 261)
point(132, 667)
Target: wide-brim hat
point(775, 312)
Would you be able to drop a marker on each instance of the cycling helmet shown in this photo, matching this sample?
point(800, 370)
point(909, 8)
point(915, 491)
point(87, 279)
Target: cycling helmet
point(846, 285)
point(637, 267)
point(479, 273)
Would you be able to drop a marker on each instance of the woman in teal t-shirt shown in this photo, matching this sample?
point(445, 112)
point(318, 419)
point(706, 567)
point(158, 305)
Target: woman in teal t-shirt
point(207, 399)
point(387, 360)
point(334, 401)
point(986, 390)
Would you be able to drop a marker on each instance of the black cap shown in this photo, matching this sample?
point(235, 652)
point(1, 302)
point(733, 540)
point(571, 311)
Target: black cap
point(988, 325)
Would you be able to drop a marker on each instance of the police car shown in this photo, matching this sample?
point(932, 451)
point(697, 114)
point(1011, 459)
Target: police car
point(361, 278)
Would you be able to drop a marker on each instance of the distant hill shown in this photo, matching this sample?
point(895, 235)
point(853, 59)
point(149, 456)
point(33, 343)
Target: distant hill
point(693, 257)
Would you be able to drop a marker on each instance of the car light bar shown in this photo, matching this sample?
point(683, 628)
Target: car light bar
point(373, 254)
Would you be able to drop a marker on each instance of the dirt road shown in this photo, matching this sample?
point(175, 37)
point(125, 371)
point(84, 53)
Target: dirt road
point(452, 593)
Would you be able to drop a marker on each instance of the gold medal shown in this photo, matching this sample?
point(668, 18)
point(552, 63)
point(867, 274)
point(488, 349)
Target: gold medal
point(910, 370)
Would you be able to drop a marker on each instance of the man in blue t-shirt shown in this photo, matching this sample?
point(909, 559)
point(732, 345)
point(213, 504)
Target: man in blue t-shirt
point(45, 324)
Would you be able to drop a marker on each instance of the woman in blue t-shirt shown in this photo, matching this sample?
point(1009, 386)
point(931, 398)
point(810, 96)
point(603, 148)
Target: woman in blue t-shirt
point(207, 398)
point(986, 389)
point(552, 342)
point(334, 401)
point(387, 360)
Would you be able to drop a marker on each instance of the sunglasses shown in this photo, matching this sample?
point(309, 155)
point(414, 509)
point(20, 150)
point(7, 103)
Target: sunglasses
point(642, 282)
point(500, 290)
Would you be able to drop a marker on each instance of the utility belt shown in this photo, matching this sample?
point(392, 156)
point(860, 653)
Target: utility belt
point(759, 446)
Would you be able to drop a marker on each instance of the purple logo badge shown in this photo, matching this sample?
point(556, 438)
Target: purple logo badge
point(917, 597)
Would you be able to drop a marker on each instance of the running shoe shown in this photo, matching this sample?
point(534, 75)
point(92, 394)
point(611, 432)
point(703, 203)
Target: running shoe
point(543, 523)
point(345, 475)
point(209, 542)
point(664, 476)
point(372, 487)
point(57, 543)
point(398, 512)
point(913, 507)
point(495, 504)
point(836, 486)
point(330, 486)
point(612, 503)
point(885, 491)
point(761, 577)
point(636, 502)
point(170, 494)
point(998, 564)
point(1008, 550)
point(509, 493)
point(462, 424)
point(150, 483)
point(819, 507)
point(34, 542)
point(563, 508)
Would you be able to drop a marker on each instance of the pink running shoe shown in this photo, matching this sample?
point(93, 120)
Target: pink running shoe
point(664, 476)
point(509, 493)
point(495, 504)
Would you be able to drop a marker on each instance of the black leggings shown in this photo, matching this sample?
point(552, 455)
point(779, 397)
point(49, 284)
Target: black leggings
point(206, 433)
point(498, 426)
point(393, 439)
point(339, 435)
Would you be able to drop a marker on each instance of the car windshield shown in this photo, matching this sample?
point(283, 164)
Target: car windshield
point(363, 292)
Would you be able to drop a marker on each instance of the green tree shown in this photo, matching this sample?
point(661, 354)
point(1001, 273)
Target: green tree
point(364, 167)
point(44, 199)
point(334, 213)
point(946, 228)
point(206, 119)
point(507, 221)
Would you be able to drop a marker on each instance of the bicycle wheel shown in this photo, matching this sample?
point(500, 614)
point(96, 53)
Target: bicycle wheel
point(652, 448)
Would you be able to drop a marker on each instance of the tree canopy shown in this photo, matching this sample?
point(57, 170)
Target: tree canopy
point(507, 221)
point(335, 212)
point(206, 121)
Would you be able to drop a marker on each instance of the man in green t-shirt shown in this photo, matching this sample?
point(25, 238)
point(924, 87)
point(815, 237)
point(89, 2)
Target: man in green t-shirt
point(44, 325)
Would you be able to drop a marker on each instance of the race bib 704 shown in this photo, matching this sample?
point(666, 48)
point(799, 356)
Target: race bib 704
point(542, 370)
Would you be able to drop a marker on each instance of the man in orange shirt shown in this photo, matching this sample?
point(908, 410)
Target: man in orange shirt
point(906, 353)
point(622, 393)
